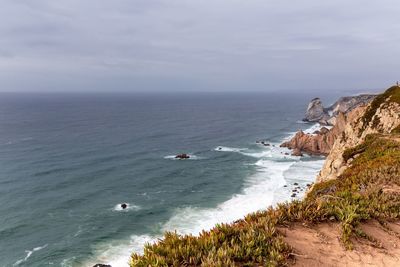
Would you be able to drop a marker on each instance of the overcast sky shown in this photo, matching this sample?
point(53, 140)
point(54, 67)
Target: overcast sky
point(207, 45)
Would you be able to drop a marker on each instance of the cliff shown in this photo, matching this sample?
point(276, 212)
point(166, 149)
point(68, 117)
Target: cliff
point(381, 116)
point(327, 116)
point(321, 142)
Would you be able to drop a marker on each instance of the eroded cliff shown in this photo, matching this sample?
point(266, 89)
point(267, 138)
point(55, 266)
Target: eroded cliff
point(381, 116)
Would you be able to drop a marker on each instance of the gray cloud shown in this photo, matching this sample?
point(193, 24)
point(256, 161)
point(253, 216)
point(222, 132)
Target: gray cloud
point(143, 45)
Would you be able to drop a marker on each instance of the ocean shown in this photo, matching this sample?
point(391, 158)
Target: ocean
point(67, 162)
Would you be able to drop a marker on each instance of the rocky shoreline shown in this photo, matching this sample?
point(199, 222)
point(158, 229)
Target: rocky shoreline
point(337, 116)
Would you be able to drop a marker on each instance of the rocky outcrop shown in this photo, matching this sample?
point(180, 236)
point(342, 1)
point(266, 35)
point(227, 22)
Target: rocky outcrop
point(353, 118)
point(309, 143)
point(182, 156)
point(380, 116)
point(317, 113)
point(320, 142)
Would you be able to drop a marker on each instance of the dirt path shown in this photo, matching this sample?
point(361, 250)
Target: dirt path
point(319, 245)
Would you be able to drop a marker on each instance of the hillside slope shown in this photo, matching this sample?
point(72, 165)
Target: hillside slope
point(353, 220)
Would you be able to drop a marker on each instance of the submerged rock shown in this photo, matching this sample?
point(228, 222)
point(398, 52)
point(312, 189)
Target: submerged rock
point(182, 156)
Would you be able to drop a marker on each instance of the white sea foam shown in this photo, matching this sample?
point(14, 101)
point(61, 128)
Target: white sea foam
point(229, 149)
point(313, 128)
point(130, 207)
point(28, 254)
point(117, 253)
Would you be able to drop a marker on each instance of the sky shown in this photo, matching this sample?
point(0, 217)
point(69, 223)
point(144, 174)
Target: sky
point(198, 45)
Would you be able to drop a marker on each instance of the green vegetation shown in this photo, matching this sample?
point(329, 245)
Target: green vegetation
point(390, 95)
point(358, 195)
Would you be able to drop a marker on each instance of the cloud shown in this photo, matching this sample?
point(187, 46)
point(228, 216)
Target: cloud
point(212, 45)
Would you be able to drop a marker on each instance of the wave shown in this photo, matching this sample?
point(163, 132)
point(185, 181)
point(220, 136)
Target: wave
point(28, 254)
point(12, 142)
point(313, 128)
point(229, 149)
point(117, 253)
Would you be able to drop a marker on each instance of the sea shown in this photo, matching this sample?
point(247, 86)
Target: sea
point(69, 160)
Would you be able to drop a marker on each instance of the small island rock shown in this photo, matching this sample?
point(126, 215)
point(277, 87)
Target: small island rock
point(182, 156)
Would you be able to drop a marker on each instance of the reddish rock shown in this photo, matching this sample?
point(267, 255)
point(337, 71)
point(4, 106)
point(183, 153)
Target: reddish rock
point(319, 143)
point(297, 152)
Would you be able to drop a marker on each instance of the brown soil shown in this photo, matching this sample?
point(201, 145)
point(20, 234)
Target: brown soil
point(319, 245)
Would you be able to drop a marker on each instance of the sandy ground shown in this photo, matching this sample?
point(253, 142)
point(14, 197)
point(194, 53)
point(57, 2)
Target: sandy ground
point(319, 245)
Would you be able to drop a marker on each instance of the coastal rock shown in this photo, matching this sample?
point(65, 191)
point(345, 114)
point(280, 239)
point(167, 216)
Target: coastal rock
point(338, 115)
point(315, 111)
point(182, 156)
point(102, 265)
point(297, 152)
point(318, 144)
point(327, 116)
point(348, 103)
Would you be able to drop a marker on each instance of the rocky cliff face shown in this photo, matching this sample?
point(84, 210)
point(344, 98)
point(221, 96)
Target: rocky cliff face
point(353, 118)
point(327, 116)
point(381, 116)
point(320, 142)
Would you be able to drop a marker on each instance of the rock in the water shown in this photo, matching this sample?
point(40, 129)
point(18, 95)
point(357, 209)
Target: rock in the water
point(315, 111)
point(293, 195)
point(102, 265)
point(182, 156)
point(124, 205)
point(297, 152)
point(295, 183)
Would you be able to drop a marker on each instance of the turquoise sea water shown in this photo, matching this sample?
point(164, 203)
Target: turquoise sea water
point(67, 161)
